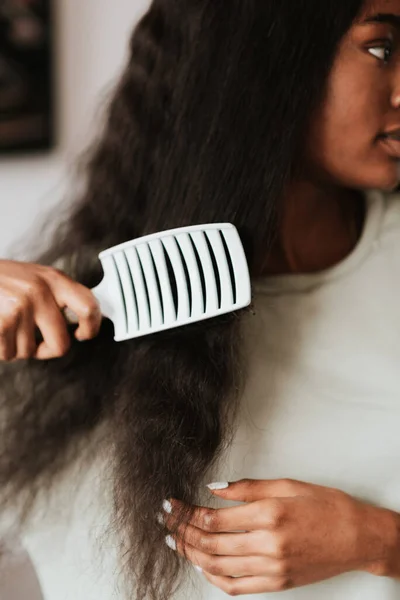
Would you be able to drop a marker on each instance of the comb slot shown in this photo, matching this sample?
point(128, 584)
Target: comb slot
point(192, 263)
point(230, 266)
point(128, 292)
point(189, 287)
point(157, 250)
point(171, 277)
point(211, 294)
point(238, 265)
point(154, 300)
point(157, 280)
point(215, 268)
point(140, 288)
point(224, 277)
point(121, 289)
point(171, 247)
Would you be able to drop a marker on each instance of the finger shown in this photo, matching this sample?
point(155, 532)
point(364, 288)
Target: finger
point(251, 490)
point(273, 583)
point(223, 544)
point(80, 300)
point(25, 336)
point(10, 315)
point(250, 585)
point(264, 514)
point(7, 343)
point(229, 566)
point(56, 339)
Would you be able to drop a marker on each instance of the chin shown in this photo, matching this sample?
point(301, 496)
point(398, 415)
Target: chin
point(386, 178)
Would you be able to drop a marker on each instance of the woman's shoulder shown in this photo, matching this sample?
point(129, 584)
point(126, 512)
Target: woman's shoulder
point(391, 212)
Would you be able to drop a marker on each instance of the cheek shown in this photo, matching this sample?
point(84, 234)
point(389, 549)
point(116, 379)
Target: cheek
point(342, 141)
point(351, 117)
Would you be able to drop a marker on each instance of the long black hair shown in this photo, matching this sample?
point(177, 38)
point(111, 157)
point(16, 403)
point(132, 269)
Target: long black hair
point(207, 124)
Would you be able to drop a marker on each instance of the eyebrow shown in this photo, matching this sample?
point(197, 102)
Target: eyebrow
point(389, 18)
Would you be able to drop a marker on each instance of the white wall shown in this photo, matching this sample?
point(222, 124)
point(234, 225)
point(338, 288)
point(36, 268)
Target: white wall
point(91, 48)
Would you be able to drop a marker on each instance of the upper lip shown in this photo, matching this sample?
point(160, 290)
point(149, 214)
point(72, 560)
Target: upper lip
point(392, 133)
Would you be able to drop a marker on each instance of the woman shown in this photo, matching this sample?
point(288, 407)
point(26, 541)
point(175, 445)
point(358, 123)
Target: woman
point(282, 118)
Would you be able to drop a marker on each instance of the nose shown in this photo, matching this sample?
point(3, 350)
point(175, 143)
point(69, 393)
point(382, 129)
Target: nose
point(396, 100)
point(395, 97)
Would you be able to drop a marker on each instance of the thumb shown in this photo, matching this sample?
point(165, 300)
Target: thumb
point(252, 490)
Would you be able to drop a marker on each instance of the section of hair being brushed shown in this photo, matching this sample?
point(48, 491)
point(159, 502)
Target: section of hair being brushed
point(204, 126)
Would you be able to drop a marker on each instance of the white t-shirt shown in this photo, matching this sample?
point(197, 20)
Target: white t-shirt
point(321, 404)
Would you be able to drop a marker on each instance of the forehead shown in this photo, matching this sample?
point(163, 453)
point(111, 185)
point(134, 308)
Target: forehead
point(373, 7)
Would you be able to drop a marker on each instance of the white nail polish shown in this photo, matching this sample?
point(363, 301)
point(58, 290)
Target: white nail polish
point(169, 540)
point(167, 506)
point(160, 519)
point(199, 569)
point(218, 485)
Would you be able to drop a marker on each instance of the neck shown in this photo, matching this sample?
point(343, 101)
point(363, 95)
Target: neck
point(319, 227)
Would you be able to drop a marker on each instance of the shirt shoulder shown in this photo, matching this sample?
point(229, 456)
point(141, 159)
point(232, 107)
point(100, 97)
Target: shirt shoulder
point(391, 212)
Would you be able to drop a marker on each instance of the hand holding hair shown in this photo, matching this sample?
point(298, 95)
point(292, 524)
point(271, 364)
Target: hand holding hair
point(288, 534)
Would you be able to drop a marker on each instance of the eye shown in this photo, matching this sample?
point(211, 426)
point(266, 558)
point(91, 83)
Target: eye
point(382, 52)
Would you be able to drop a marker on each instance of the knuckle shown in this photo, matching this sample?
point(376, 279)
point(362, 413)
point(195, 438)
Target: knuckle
point(282, 568)
point(6, 352)
point(287, 485)
point(209, 520)
point(27, 352)
point(246, 481)
point(215, 567)
point(207, 544)
point(4, 327)
point(61, 348)
point(283, 583)
point(281, 548)
point(36, 288)
point(276, 514)
point(53, 271)
point(232, 589)
point(20, 305)
point(33, 283)
point(10, 317)
point(50, 272)
point(380, 570)
point(90, 310)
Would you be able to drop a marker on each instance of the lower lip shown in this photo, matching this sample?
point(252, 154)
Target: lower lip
point(391, 146)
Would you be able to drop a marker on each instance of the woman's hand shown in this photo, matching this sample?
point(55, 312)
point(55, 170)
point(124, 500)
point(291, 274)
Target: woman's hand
point(292, 534)
point(32, 296)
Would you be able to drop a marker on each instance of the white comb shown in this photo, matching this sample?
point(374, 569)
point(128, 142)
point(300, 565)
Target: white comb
point(172, 278)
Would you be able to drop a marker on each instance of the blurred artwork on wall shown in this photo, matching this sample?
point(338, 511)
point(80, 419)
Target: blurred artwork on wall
point(26, 86)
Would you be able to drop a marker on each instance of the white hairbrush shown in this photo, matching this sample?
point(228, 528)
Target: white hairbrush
point(172, 278)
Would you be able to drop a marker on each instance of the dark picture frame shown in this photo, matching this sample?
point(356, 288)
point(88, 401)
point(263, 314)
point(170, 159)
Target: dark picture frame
point(26, 76)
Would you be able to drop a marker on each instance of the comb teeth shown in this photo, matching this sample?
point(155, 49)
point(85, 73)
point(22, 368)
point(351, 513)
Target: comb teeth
point(167, 280)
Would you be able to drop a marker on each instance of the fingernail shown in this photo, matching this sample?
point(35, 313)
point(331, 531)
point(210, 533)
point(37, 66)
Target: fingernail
point(160, 519)
point(199, 569)
point(167, 506)
point(218, 485)
point(169, 540)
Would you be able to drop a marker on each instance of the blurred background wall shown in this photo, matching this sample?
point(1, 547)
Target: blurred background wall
point(90, 47)
point(91, 40)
